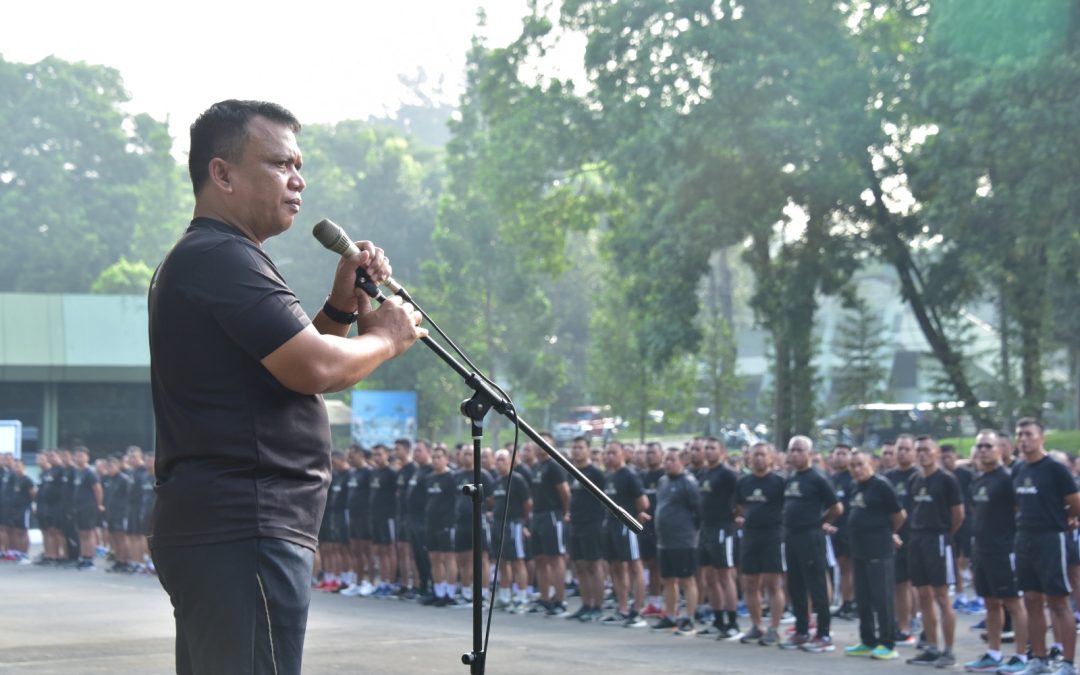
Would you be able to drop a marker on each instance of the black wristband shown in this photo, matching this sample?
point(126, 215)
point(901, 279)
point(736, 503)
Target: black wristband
point(338, 316)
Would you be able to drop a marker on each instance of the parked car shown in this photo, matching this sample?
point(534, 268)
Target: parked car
point(591, 421)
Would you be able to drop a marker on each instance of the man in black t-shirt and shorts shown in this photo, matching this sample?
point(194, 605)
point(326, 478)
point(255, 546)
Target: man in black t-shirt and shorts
point(440, 505)
point(586, 519)
point(719, 554)
point(622, 551)
point(994, 530)
point(551, 501)
point(511, 499)
point(1047, 500)
point(650, 481)
point(383, 508)
point(759, 499)
point(237, 372)
point(935, 518)
point(900, 478)
point(88, 499)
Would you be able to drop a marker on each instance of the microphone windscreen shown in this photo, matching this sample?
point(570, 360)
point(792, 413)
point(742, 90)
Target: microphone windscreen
point(334, 238)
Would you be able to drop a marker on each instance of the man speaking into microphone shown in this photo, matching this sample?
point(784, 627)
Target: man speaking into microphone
point(237, 373)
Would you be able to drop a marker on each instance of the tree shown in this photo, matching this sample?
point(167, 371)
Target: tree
point(859, 345)
point(82, 184)
point(124, 277)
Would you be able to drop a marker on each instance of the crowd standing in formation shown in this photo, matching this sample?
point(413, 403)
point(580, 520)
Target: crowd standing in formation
point(902, 539)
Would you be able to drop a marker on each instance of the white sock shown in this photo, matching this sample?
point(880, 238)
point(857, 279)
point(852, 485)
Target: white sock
point(504, 594)
point(994, 654)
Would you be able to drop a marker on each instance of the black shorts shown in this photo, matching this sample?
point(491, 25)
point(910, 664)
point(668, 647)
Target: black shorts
point(439, 539)
point(900, 561)
point(930, 560)
point(1041, 562)
point(44, 518)
point(383, 530)
point(339, 528)
point(995, 574)
point(87, 519)
point(19, 519)
point(135, 525)
point(1072, 548)
point(762, 552)
point(840, 543)
point(463, 535)
point(586, 543)
point(547, 533)
point(117, 524)
point(403, 530)
point(620, 544)
point(719, 546)
point(962, 540)
point(360, 525)
point(647, 543)
point(677, 563)
point(512, 542)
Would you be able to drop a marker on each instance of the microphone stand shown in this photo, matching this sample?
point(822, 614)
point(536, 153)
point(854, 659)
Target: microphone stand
point(476, 408)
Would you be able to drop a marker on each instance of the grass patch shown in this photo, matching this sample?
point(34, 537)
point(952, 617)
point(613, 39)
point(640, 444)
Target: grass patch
point(1069, 441)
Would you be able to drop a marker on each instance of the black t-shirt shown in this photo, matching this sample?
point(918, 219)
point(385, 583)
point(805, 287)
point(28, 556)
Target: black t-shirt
point(650, 481)
point(717, 487)
point(83, 483)
point(337, 501)
point(965, 477)
point(416, 495)
point(358, 489)
point(20, 499)
point(900, 479)
point(934, 496)
point(7, 483)
point(404, 477)
point(463, 508)
point(807, 495)
point(519, 494)
point(762, 501)
point(547, 476)
point(1041, 489)
point(383, 484)
point(586, 511)
point(873, 503)
point(49, 490)
point(441, 503)
point(525, 472)
point(239, 455)
point(995, 511)
point(116, 499)
point(624, 488)
point(842, 485)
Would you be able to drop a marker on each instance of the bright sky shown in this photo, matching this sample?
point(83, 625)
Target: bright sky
point(324, 60)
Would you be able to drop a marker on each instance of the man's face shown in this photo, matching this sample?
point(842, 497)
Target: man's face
point(840, 458)
point(439, 461)
point(697, 453)
point(378, 455)
point(672, 464)
point(799, 454)
point(653, 457)
point(712, 453)
point(860, 469)
point(465, 459)
point(421, 454)
point(760, 462)
point(1030, 439)
point(502, 464)
point(905, 453)
point(579, 453)
point(927, 454)
point(487, 459)
point(266, 181)
point(81, 459)
point(640, 457)
point(987, 453)
point(613, 457)
point(888, 457)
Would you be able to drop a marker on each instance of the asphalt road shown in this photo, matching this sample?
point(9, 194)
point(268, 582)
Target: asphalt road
point(65, 621)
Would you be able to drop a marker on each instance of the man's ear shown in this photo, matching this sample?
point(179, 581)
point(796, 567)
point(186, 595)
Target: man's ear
point(220, 174)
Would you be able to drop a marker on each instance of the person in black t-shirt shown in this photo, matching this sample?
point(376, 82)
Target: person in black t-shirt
point(440, 511)
point(650, 479)
point(586, 519)
point(383, 496)
point(463, 528)
point(511, 499)
point(415, 501)
point(551, 501)
point(23, 493)
point(900, 478)
point(873, 521)
point(89, 501)
point(678, 524)
point(116, 510)
point(759, 499)
point(237, 373)
point(48, 507)
point(404, 470)
point(839, 541)
point(1047, 501)
point(719, 556)
point(334, 549)
point(810, 505)
point(936, 516)
point(358, 508)
point(622, 552)
point(962, 538)
point(994, 530)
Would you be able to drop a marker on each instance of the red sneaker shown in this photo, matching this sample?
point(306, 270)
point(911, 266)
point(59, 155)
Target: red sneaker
point(652, 610)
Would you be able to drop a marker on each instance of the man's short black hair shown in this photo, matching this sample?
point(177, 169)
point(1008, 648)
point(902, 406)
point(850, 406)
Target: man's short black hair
point(222, 130)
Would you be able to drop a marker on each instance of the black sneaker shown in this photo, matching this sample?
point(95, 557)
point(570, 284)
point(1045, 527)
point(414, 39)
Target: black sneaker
point(635, 620)
point(1054, 657)
point(685, 628)
point(539, 607)
point(752, 635)
point(579, 613)
point(664, 624)
point(927, 657)
point(557, 609)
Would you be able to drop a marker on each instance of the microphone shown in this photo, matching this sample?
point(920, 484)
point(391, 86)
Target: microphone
point(334, 238)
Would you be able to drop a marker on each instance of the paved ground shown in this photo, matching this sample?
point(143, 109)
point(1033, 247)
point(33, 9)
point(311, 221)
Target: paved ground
point(63, 621)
